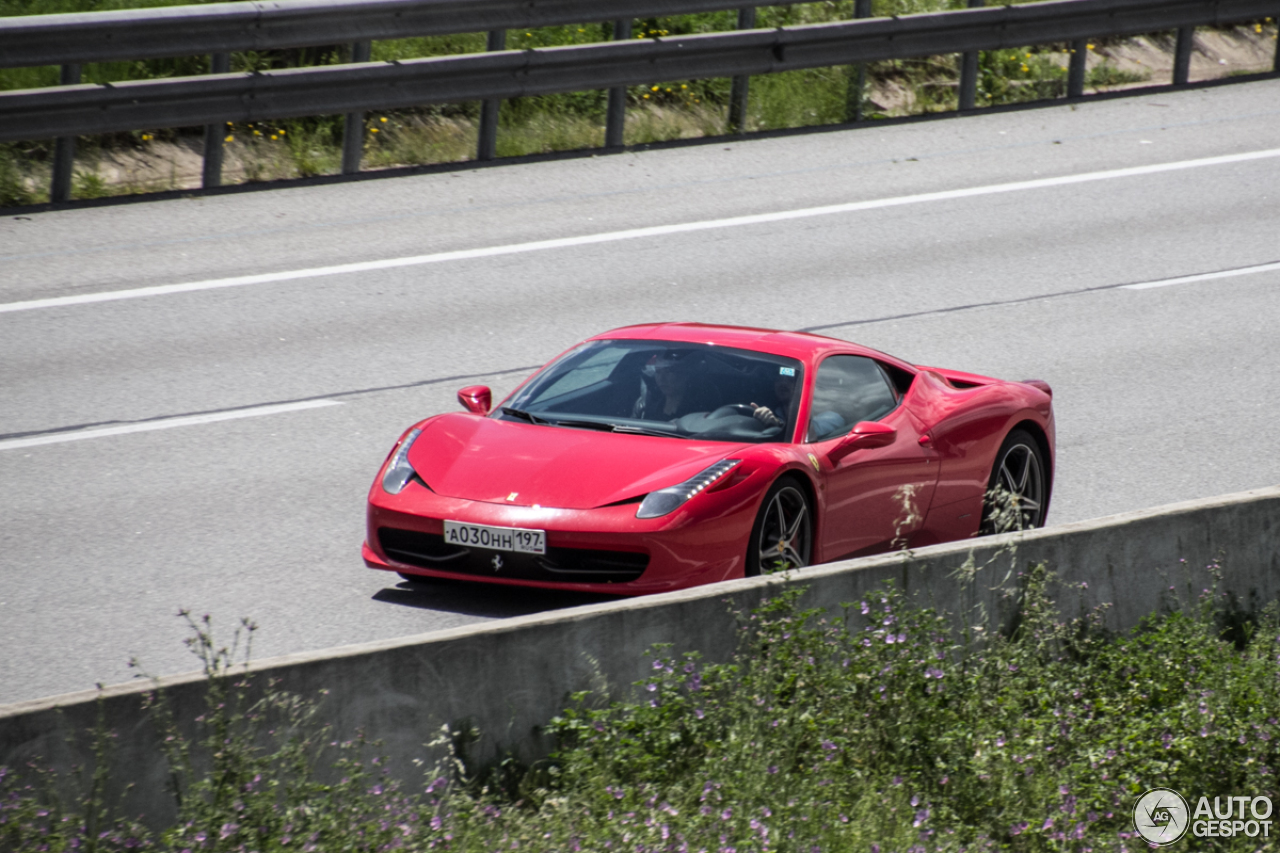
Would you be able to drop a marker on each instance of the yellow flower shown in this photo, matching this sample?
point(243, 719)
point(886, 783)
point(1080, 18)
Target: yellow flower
point(229, 138)
point(684, 85)
point(281, 132)
point(383, 119)
point(654, 89)
point(1089, 46)
point(1025, 69)
point(646, 97)
point(373, 130)
point(257, 133)
point(274, 137)
point(145, 137)
point(668, 91)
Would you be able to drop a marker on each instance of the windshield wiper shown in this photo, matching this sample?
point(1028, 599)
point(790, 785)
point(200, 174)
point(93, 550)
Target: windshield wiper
point(605, 426)
point(639, 430)
point(521, 413)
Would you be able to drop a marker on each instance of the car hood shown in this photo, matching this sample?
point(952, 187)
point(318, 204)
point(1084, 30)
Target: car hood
point(519, 464)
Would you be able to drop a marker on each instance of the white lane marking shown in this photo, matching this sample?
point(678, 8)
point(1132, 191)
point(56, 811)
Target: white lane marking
point(1208, 276)
point(633, 233)
point(165, 423)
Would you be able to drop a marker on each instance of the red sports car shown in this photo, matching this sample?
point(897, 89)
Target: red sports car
point(663, 456)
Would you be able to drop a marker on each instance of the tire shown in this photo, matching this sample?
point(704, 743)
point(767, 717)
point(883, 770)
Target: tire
point(1020, 472)
point(784, 510)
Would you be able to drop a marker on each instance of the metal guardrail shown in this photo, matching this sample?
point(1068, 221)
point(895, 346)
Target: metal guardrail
point(261, 25)
point(67, 110)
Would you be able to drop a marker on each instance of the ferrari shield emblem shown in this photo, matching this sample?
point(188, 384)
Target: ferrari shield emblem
point(814, 461)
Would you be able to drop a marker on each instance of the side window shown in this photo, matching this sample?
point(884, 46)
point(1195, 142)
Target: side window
point(848, 389)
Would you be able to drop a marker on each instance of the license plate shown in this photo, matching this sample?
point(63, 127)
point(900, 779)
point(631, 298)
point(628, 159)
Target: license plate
point(495, 538)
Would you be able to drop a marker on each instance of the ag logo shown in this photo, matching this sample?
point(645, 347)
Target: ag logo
point(1161, 816)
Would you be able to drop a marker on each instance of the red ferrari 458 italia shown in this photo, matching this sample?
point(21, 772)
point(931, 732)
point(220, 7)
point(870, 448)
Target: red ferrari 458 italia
point(658, 457)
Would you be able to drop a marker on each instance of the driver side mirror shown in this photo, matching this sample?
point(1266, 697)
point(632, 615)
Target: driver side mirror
point(865, 434)
point(477, 399)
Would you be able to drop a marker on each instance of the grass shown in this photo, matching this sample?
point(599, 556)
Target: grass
point(882, 730)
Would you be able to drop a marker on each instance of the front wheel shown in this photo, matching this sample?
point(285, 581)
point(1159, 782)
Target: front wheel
point(1018, 489)
point(782, 537)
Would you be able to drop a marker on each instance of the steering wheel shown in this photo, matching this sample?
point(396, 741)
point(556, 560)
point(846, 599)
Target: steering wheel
point(732, 409)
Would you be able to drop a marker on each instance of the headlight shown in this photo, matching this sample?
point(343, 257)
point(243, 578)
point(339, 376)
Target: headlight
point(664, 501)
point(399, 471)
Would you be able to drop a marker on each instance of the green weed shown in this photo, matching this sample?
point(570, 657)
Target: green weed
point(882, 729)
point(16, 184)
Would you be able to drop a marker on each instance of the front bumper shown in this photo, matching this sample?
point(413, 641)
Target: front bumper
point(605, 550)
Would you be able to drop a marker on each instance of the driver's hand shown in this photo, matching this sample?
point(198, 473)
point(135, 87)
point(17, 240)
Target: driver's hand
point(765, 416)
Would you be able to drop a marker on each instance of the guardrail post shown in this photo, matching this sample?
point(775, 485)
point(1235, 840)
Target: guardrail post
point(857, 74)
point(1182, 55)
point(969, 70)
point(64, 147)
point(219, 63)
point(616, 118)
point(353, 123)
point(741, 84)
point(1076, 72)
point(487, 148)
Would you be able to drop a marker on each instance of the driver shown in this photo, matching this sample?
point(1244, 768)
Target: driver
point(666, 394)
point(776, 415)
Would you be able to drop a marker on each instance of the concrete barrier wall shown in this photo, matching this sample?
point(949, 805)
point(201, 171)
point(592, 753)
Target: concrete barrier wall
point(509, 677)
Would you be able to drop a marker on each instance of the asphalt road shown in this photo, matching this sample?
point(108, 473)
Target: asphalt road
point(1163, 394)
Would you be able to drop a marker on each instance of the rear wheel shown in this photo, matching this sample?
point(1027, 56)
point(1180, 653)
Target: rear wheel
point(1018, 488)
point(782, 537)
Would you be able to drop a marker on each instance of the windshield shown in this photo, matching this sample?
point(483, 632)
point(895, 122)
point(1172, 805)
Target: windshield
point(664, 388)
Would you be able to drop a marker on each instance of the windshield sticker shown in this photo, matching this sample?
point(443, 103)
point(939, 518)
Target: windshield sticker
point(787, 371)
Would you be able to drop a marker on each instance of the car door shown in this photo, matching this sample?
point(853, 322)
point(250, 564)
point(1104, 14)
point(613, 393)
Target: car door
point(863, 497)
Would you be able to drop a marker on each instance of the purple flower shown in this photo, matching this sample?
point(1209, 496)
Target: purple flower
point(651, 687)
point(1018, 828)
point(865, 609)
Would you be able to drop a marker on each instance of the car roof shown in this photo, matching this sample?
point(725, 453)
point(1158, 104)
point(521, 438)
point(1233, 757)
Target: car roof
point(805, 346)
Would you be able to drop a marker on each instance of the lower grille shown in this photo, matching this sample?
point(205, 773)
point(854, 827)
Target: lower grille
point(573, 565)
